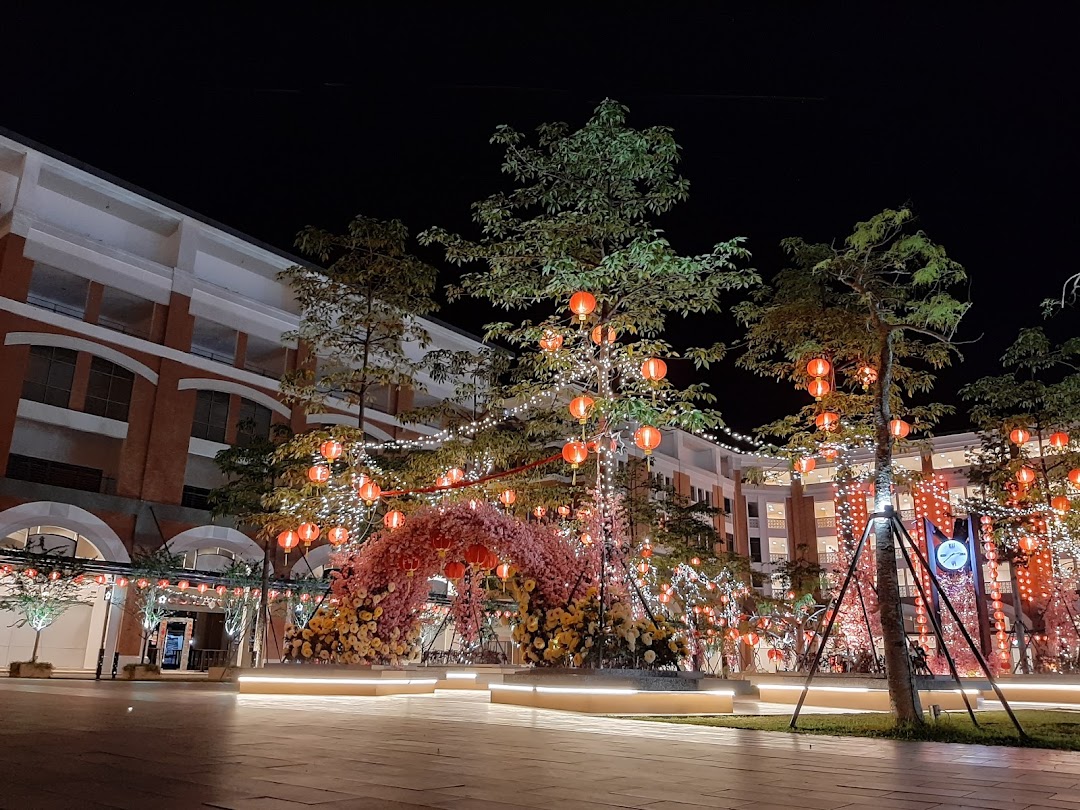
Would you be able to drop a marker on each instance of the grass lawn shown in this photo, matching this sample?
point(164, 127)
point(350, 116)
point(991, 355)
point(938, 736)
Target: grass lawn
point(1046, 729)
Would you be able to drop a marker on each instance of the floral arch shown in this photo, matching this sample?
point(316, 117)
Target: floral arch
point(380, 589)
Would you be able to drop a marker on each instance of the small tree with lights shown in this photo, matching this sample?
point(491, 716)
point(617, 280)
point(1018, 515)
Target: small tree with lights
point(880, 311)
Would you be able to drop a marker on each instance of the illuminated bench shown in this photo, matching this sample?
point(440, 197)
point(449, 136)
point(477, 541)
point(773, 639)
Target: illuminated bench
point(303, 680)
point(472, 677)
point(862, 698)
point(1037, 691)
point(613, 700)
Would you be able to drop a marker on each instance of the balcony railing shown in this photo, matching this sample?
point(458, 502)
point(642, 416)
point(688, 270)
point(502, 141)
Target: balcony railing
point(825, 522)
point(828, 558)
point(55, 306)
point(1003, 587)
point(58, 474)
point(777, 523)
point(778, 558)
point(753, 522)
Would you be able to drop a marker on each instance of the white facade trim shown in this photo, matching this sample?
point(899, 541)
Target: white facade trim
point(202, 537)
point(205, 447)
point(82, 345)
point(76, 420)
point(51, 513)
point(229, 387)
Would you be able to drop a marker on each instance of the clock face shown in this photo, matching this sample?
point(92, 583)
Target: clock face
point(952, 555)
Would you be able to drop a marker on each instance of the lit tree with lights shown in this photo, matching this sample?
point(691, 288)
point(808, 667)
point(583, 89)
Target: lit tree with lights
point(578, 229)
point(881, 313)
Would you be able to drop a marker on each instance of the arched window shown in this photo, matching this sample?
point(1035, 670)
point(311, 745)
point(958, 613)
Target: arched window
point(211, 559)
point(54, 539)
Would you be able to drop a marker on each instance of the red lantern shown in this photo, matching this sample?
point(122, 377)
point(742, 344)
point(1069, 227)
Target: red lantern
point(582, 304)
point(664, 598)
point(409, 564)
point(442, 481)
point(899, 429)
point(751, 639)
point(564, 511)
point(581, 407)
point(288, 540)
point(818, 367)
point(818, 387)
point(319, 474)
point(1074, 477)
point(455, 474)
point(867, 376)
point(476, 554)
point(394, 519)
point(122, 582)
point(183, 584)
point(827, 421)
point(805, 465)
point(490, 561)
point(539, 512)
point(574, 453)
point(220, 590)
point(1019, 436)
point(308, 533)
point(1059, 440)
point(442, 544)
point(654, 369)
point(647, 552)
point(647, 438)
point(1060, 503)
point(338, 536)
point(643, 568)
point(507, 497)
point(142, 584)
point(454, 570)
point(597, 335)
point(1025, 475)
point(830, 453)
point(370, 492)
point(551, 341)
point(586, 539)
point(331, 450)
point(1027, 543)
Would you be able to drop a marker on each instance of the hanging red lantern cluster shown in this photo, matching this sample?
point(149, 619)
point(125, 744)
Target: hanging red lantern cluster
point(1074, 478)
point(442, 544)
point(507, 497)
point(990, 552)
point(647, 438)
point(1060, 503)
point(409, 564)
point(805, 465)
point(455, 475)
point(476, 555)
point(1026, 476)
point(288, 540)
point(454, 570)
point(539, 512)
point(818, 369)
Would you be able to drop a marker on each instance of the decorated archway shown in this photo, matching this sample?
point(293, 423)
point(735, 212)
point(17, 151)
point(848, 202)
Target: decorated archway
point(380, 590)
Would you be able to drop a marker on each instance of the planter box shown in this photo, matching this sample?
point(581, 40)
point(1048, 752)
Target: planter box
point(222, 674)
point(28, 670)
point(140, 673)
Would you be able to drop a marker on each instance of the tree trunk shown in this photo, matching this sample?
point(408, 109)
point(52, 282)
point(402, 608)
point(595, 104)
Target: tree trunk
point(902, 694)
point(37, 642)
point(264, 608)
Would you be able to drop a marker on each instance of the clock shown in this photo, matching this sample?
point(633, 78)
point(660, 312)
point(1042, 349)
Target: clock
point(952, 555)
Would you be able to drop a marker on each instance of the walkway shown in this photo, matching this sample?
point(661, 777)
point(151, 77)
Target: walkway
point(118, 745)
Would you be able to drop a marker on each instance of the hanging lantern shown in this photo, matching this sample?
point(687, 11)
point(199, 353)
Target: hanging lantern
point(664, 598)
point(394, 519)
point(647, 552)
point(454, 570)
point(318, 473)
point(805, 465)
point(586, 539)
point(476, 554)
point(507, 497)
point(442, 481)
point(1074, 477)
point(582, 304)
point(867, 375)
point(455, 474)
point(288, 540)
point(1027, 543)
point(1059, 440)
point(643, 568)
point(502, 571)
point(581, 407)
point(183, 584)
point(491, 560)
point(442, 544)
point(647, 438)
point(827, 421)
point(574, 453)
point(122, 582)
point(564, 511)
point(331, 450)
point(818, 387)
point(308, 533)
point(899, 429)
point(1060, 503)
point(751, 639)
point(695, 561)
point(1025, 475)
point(539, 512)
point(818, 367)
point(654, 369)
point(598, 335)
point(830, 453)
point(338, 536)
point(551, 341)
point(409, 564)
point(1019, 436)
point(370, 492)
point(142, 584)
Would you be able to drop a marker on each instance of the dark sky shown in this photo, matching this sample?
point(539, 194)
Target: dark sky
point(792, 121)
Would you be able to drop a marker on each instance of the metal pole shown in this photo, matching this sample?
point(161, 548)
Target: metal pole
point(937, 629)
point(967, 636)
point(104, 631)
point(832, 621)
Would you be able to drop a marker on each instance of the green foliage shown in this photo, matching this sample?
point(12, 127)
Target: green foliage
point(251, 471)
point(359, 314)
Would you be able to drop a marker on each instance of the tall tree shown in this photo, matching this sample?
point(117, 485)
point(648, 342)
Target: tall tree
point(359, 314)
point(882, 307)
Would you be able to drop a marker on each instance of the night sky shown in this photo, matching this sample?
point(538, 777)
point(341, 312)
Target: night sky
point(792, 122)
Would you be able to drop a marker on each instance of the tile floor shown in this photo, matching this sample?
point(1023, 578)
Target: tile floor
point(71, 744)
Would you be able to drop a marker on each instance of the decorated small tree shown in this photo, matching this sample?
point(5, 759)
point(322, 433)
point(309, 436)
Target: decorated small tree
point(148, 598)
point(880, 311)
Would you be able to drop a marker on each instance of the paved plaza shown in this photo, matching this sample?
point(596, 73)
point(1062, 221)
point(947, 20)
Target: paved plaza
point(153, 745)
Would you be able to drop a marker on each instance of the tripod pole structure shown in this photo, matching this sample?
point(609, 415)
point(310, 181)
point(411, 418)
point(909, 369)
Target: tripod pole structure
point(898, 526)
point(831, 623)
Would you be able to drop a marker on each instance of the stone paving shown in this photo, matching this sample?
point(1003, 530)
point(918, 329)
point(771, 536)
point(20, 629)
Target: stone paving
point(74, 744)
